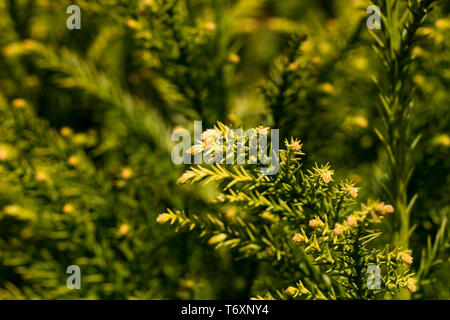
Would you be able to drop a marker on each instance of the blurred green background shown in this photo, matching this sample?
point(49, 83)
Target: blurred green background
point(86, 117)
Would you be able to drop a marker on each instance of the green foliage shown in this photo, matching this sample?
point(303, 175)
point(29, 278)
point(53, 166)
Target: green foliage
point(278, 212)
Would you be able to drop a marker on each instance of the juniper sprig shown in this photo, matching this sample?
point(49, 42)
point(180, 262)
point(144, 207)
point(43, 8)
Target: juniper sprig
point(298, 219)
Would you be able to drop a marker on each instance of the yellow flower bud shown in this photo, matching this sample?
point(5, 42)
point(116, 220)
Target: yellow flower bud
point(68, 208)
point(388, 209)
point(338, 229)
point(126, 173)
point(41, 176)
point(406, 258)
point(316, 60)
point(73, 161)
point(442, 139)
point(65, 131)
point(230, 213)
point(296, 146)
point(132, 24)
point(361, 122)
point(210, 26)
point(379, 207)
point(189, 283)
point(163, 218)
point(124, 228)
point(326, 176)
point(351, 221)
point(234, 58)
point(297, 238)
point(11, 209)
point(411, 284)
point(353, 192)
point(293, 67)
point(442, 24)
point(315, 223)
point(326, 88)
point(290, 291)
point(19, 103)
point(3, 154)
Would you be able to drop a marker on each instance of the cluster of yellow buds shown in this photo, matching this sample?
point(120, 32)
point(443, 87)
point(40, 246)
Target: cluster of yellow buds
point(379, 209)
point(298, 238)
point(262, 130)
point(405, 257)
point(326, 175)
point(351, 221)
point(315, 223)
point(352, 191)
point(338, 229)
point(411, 284)
point(294, 145)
